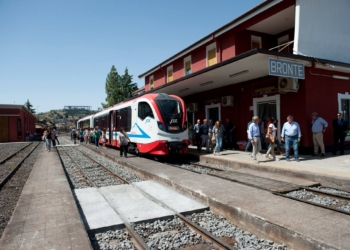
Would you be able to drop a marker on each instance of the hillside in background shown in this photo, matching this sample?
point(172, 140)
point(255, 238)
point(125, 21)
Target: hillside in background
point(58, 118)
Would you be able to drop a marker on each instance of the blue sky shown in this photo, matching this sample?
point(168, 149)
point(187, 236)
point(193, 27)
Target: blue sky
point(58, 53)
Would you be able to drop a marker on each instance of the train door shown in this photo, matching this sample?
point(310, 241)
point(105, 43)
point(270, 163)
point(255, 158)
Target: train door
point(111, 126)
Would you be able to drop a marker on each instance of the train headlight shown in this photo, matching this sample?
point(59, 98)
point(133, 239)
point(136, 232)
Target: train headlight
point(161, 126)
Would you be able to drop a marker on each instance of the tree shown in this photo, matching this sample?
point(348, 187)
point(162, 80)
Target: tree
point(118, 88)
point(29, 106)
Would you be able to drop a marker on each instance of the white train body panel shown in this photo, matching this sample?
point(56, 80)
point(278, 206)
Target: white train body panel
point(155, 123)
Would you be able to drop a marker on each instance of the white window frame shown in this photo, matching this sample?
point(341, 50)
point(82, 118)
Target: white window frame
point(264, 99)
point(149, 82)
point(210, 47)
point(186, 59)
point(207, 107)
point(255, 39)
point(167, 71)
point(342, 97)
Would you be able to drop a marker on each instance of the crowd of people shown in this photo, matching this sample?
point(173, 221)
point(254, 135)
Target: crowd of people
point(50, 137)
point(263, 135)
point(93, 135)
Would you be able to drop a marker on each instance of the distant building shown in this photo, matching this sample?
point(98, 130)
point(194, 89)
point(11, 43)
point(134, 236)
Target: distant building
point(283, 57)
point(15, 122)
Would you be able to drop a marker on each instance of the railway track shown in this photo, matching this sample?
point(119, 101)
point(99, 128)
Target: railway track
point(12, 163)
point(86, 172)
point(333, 199)
point(14, 181)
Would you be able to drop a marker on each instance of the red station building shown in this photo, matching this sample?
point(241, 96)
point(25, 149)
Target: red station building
point(283, 57)
point(15, 121)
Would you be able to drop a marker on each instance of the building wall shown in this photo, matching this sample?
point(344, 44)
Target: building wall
point(27, 123)
point(324, 25)
point(316, 94)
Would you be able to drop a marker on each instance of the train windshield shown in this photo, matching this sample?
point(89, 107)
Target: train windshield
point(172, 114)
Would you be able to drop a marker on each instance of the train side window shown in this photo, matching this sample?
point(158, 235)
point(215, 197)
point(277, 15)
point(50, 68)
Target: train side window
point(145, 110)
point(124, 118)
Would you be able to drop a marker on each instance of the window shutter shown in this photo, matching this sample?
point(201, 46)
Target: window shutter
point(170, 75)
point(211, 57)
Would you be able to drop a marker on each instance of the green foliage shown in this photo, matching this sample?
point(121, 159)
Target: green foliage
point(118, 87)
point(29, 106)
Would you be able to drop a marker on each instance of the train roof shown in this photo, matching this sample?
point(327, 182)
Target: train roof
point(147, 96)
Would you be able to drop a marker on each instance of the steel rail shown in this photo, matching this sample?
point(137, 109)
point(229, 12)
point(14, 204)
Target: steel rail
point(106, 169)
point(329, 193)
point(283, 194)
point(7, 177)
point(6, 159)
point(128, 227)
point(217, 242)
point(86, 177)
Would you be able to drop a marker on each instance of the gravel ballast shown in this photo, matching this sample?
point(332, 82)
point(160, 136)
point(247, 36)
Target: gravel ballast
point(168, 234)
point(221, 227)
point(112, 240)
point(7, 149)
point(11, 191)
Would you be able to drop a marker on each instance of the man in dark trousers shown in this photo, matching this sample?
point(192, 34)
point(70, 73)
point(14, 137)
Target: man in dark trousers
point(197, 133)
point(340, 128)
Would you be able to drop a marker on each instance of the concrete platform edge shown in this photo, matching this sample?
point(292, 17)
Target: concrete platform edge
point(339, 182)
point(241, 218)
point(83, 220)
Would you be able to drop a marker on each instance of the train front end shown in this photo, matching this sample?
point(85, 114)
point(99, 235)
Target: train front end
point(172, 125)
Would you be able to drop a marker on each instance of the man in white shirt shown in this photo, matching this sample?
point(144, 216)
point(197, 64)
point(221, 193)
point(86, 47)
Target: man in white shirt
point(254, 136)
point(291, 135)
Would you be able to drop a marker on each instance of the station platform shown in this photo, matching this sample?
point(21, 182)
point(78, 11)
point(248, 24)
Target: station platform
point(298, 225)
point(329, 170)
point(46, 215)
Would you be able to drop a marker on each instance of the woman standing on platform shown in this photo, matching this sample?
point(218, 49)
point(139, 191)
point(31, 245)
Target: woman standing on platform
point(47, 136)
point(217, 134)
point(123, 140)
point(272, 131)
point(104, 138)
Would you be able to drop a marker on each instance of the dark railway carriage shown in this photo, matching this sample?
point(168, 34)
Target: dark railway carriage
point(155, 123)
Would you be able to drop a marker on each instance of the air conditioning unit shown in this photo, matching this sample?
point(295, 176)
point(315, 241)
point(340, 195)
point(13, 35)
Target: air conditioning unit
point(227, 101)
point(288, 85)
point(193, 107)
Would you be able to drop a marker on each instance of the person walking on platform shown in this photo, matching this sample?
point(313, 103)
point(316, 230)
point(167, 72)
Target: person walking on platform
point(123, 140)
point(56, 135)
point(217, 134)
point(254, 136)
point(318, 127)
point(86, 135)
point(271, 129)
point(75, 135)
point(53, 138)
point(211, 141)
point(340, 128)
point(222, 131)
point(96, 137)
point(47, 136)
point(249, 142)
point(204, 131)
point(104, 138)
point(291, 136)
point(197, 131)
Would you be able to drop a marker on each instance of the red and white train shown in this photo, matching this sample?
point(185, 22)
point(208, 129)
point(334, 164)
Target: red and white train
point(155, 123)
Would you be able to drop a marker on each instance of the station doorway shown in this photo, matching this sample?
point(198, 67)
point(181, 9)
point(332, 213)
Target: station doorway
point(213, 112)
point(268, 106)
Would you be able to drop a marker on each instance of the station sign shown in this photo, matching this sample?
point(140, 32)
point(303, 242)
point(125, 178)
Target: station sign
point(286, 68)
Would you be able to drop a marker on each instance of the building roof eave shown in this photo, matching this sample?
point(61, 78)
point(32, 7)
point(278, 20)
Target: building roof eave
point(219, 31)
